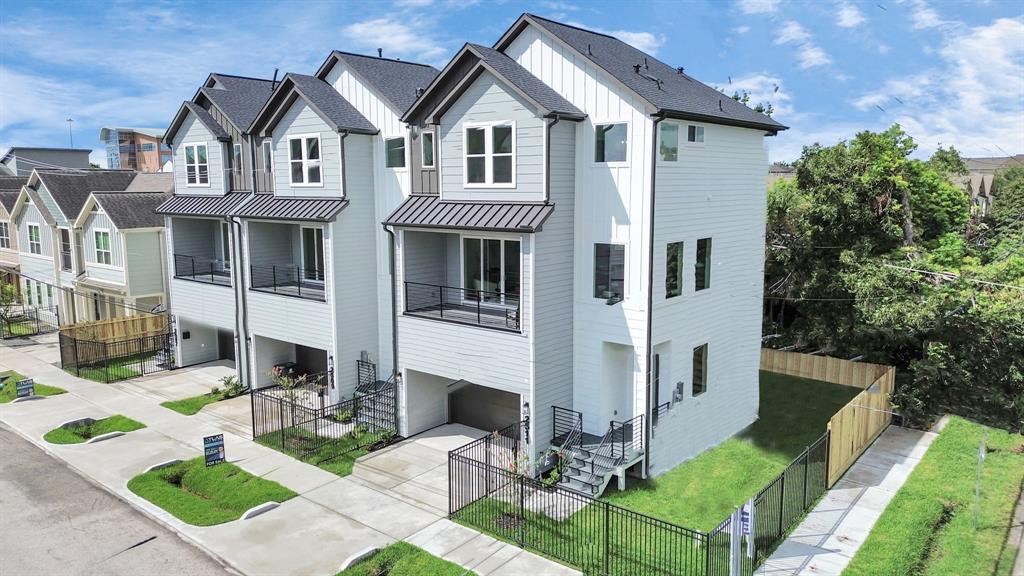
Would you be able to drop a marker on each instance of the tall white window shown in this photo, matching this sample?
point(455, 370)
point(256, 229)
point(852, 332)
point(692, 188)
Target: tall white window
point(225, 245)
point(102, 246)
point(491, 269)
point(304, 160)
point(236, 167)
point(5, 235)
point(490, 155)
point(610, 141)
point(313, 254)
point(394, 152)
point(197, 166)
point(668, 148)
point(427, 141)
point(35, 239)
point(268, 157)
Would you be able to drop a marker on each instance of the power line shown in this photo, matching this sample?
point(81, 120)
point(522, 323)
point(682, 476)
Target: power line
point(954, 276)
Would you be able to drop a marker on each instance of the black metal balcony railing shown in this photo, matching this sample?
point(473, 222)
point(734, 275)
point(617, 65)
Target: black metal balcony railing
point(202, 269)
point(65, 260)
point(465, 306)
point(289, 280)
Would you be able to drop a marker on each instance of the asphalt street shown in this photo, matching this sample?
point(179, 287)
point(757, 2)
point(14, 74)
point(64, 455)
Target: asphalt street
point(55, 522)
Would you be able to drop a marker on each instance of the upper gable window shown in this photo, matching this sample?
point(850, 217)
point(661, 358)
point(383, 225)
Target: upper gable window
point(304, 160)
point(197, 167)
point(610, 142)
point(695, 134)
point(490, 155)
point(394, 152)
point(102, 238)
point(428, 149)
point(5, 235)
point(35, 239)
point(668, 148)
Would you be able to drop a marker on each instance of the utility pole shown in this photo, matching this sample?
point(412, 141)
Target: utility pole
point(71, 137)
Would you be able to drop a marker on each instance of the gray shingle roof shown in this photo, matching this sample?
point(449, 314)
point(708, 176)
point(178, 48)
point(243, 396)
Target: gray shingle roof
point(205, 118)
point(201, 205)
point(307, 209)
point(395, 80)
point(331, 104)
point(152, 182)
point(677, 92)
point(532, 86)
point(8, 196)
point(70, 190)
point(129, 210)
point(432, 212)
point(240, 99)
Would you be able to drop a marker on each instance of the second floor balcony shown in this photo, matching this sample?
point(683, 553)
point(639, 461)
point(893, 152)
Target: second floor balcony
point(288, 280)
point(287, 259)
point(464, 306)
point(202, 269)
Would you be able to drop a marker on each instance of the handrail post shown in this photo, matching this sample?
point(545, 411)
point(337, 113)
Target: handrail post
point(298, 279)
point(405, 297)
point(193, 259)
point(273, 271)
point(478, 310)
point(440, 298)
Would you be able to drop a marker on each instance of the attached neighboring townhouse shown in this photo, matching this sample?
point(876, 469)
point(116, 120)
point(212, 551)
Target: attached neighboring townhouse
point(10, 187)
point(54, 248)
point(123, 248)
point(294, 273)
point(584, 247)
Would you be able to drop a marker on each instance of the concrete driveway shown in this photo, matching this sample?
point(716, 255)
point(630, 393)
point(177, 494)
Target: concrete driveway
point(417, 469)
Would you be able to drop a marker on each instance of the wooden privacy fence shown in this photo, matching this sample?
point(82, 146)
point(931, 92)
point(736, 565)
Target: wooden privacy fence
point(117, 329)
point(855, 426)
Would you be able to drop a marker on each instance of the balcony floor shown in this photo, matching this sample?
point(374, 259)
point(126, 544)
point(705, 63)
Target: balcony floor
point(489, 317)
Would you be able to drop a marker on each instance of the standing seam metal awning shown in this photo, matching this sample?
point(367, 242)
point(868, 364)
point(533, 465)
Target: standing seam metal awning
point(201, 205)
point(271, 207)
point(432, 212)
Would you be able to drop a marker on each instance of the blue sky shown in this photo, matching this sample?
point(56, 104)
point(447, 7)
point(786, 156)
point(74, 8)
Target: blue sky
point(950, 72)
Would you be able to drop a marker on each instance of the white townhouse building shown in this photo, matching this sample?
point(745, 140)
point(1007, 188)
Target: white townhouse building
point(584, 247)
point(295, 268)
point(91, 265)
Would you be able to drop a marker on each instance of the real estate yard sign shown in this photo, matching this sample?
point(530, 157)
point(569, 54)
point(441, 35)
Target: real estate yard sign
point(26, 388)
point(213, 447)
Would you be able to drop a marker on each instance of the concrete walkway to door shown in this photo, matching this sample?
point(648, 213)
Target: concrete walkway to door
point(825, 542)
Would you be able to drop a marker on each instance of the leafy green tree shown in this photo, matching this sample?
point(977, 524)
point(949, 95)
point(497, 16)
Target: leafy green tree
point(1007, 216)
point(939, 206)
point(948, 162)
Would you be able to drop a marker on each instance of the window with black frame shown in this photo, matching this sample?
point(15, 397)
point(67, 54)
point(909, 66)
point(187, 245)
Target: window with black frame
point(700, 369)
point(491, 270)
point(702, 267)
point(609, 272)
point(673, 269)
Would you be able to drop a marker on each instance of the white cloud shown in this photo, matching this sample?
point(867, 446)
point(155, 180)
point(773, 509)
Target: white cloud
point(922, 16)
point(971, 99)
point(646, 41)
point(849, 16)
point(763, 87)
point(809, 54)
point(882, 48)
point(560, 6)
point(741, 29)
point(398, 38)
point(757, 6)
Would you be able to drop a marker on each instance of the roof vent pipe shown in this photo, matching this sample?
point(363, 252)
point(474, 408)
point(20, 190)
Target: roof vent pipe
point(273, 83)
point(680, 69)
point(589, 52)
point(380, 52)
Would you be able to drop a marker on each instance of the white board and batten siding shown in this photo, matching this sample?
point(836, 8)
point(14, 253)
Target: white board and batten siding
point(614, 210)
point(113, 272)
point(391, 185)
point(488, 100)
point(192, 131)
point(300, 119)
point(715, 190)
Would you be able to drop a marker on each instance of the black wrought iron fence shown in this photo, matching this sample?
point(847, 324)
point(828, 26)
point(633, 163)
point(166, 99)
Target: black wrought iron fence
point(202, 269)
point(117, 360)
point(29, 321)
point(463, 305)
point(302, 424)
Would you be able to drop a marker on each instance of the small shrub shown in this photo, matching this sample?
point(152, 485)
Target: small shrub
point(232, 387)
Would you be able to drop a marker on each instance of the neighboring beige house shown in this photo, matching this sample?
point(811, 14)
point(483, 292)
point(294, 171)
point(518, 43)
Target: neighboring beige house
point(980, 179)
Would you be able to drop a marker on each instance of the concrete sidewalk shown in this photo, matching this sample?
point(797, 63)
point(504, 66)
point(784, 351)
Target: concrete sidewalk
point(331, 519)
point(825, 542)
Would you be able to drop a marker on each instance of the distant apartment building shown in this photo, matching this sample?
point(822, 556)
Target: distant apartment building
point(22, 160)
point(136, 149)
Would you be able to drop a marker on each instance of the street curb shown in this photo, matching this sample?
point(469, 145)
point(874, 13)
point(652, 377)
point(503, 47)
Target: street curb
point(358, 557)
point(103, 437)
point(259, 509)
point(228, 566)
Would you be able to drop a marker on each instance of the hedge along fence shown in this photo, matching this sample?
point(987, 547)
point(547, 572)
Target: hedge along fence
point(855, 426)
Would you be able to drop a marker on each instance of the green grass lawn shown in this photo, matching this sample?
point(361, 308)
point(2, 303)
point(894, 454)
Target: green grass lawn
point(204, 496)
point(700, 493)
point(18, 328)
point(336, 456)
point(79, 434)
point(9, 390)
point(403, 559)
point(928, 527)
point(190, 406)
point(119, 369)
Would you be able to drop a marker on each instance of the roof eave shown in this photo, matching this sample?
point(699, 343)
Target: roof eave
point(407, 116)
point(712, 119)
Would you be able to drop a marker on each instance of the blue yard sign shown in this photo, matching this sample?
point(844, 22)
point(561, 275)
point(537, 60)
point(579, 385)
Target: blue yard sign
point(26, 388)
point(213, 447)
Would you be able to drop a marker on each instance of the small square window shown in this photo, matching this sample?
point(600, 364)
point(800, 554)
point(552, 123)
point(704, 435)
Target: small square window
point(668, 148)
point(610, 143)
point(673, 269)
point(394, 151)
point(700, 369)
point(694, 133)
